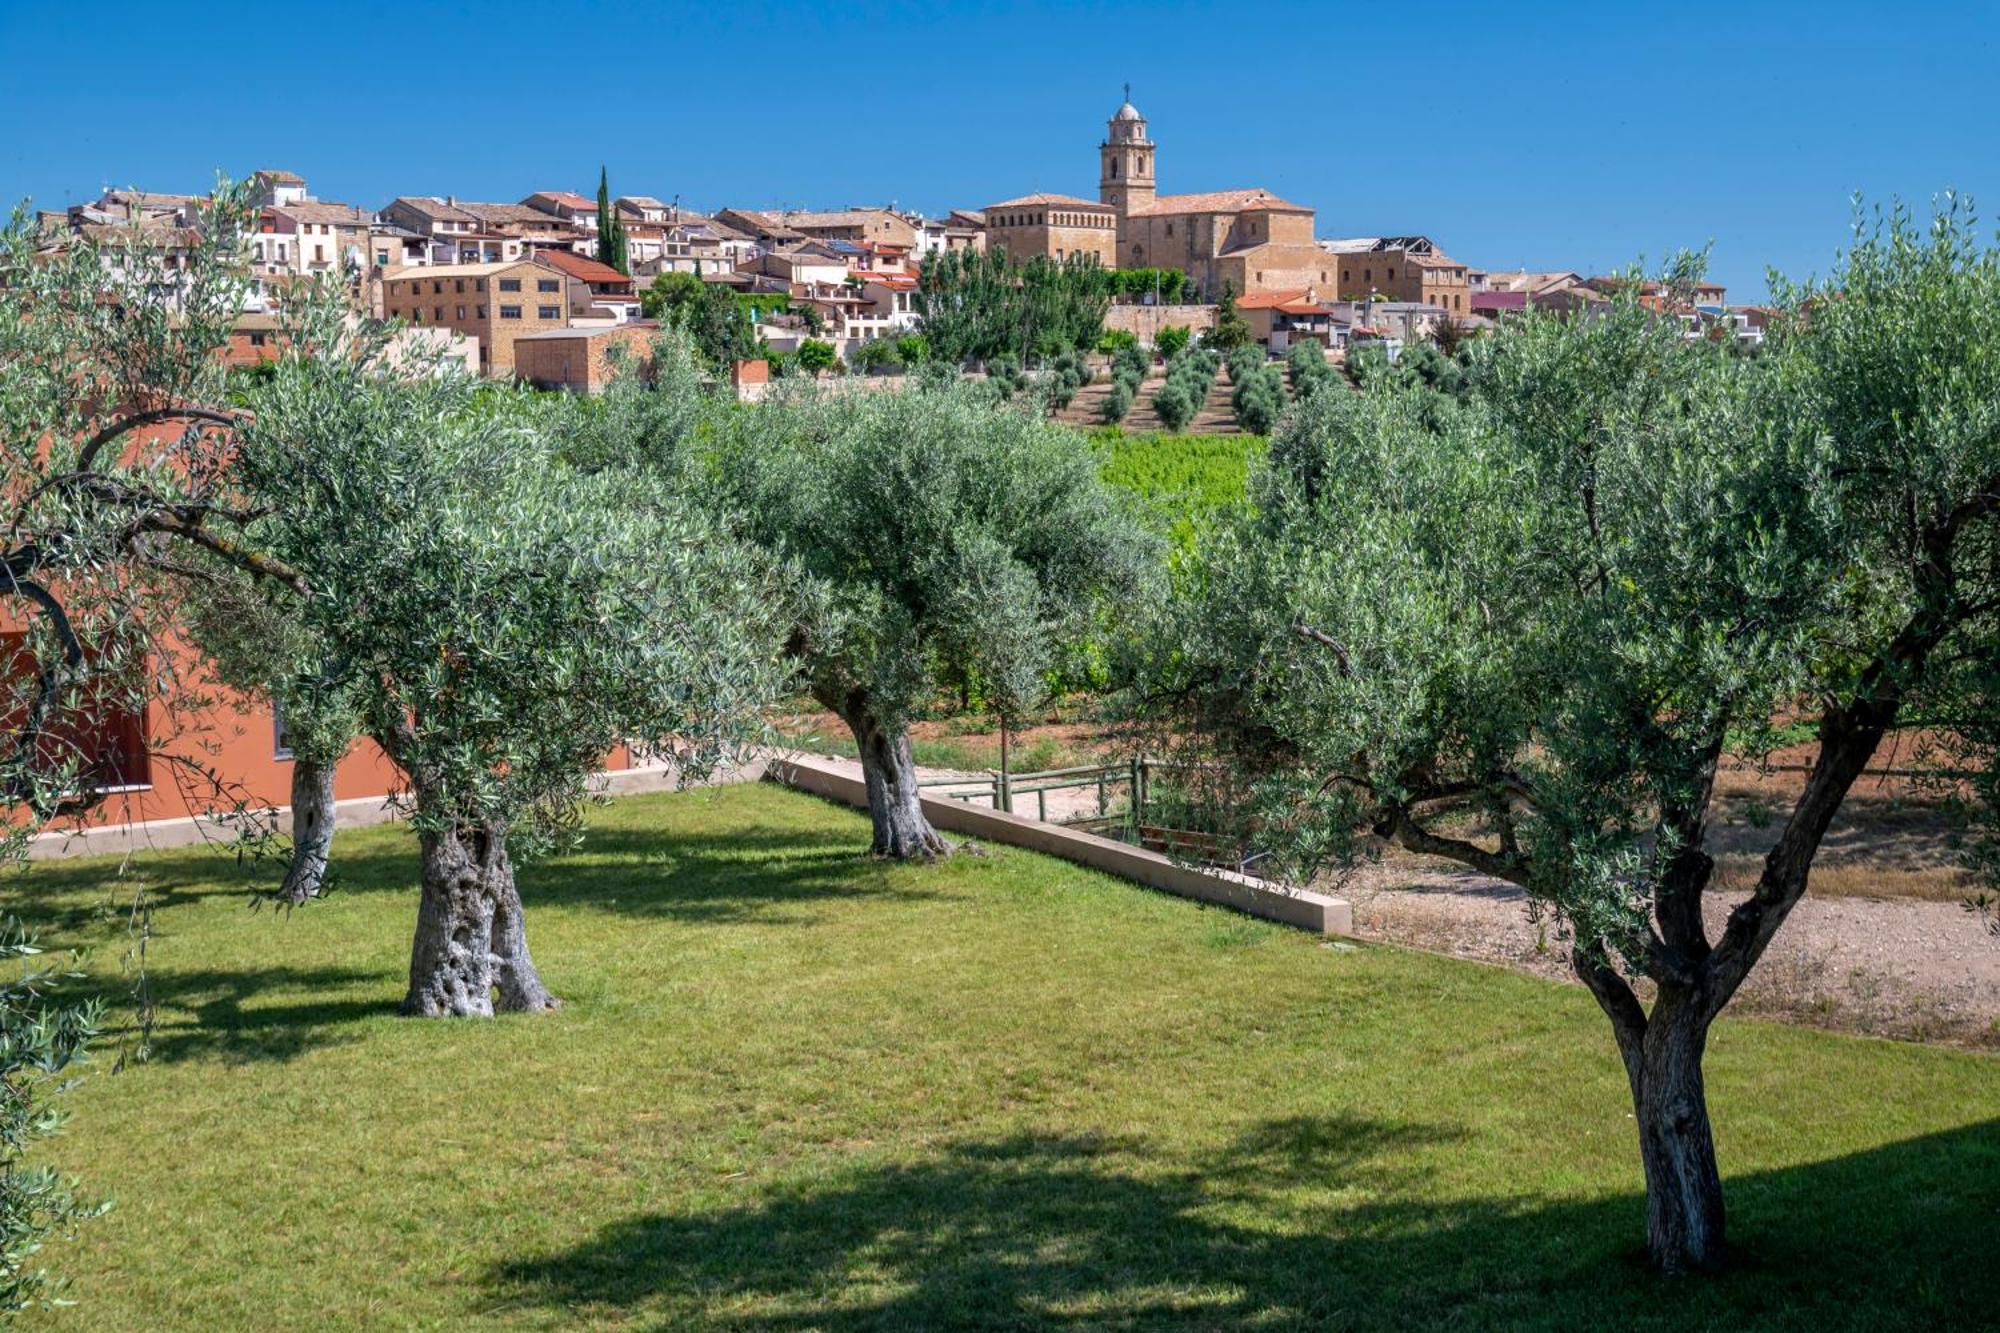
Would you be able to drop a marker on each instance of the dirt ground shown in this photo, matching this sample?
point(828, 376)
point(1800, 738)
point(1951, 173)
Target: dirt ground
point(1892, 967)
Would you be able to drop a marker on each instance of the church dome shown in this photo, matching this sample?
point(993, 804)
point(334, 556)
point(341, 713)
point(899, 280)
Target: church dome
point(1127, 112)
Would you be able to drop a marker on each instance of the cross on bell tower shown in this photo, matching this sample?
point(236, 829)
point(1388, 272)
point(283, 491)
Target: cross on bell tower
point(1125, 161)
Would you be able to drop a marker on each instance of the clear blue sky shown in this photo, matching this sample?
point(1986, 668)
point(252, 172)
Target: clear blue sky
point(1556, 135)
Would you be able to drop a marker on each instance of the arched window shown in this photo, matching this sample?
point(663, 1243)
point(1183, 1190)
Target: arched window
point(1114, 168)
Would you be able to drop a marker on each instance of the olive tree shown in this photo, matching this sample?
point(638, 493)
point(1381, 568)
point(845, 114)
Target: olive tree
point(504, 618)
point(936, 537)
point(1518, 632)
point(254, 641)
point(114, 431)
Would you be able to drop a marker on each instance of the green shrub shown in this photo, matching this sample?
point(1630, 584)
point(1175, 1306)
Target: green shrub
point(881, 354)
point(1245, 362)
point(815, 356)
point(1172, 341)
point(1260, 410)
point(1113, 340)
point(1132, 357)
point(1117, 403)
point(1175, 406)
point(1307, 368)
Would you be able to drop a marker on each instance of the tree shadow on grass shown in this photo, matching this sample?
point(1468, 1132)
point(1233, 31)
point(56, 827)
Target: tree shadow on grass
point(767, 875)
point(215, 1013)
point(1317, 1223)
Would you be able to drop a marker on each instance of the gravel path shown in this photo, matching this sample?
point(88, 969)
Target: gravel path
point(1926, 971)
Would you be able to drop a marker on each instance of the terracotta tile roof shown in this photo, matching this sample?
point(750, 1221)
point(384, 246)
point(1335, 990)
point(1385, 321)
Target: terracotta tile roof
point(563, 197)
point(1220, 201)
point(344, 214)
point(582, 267)
point(1063, 200)
point(435, 209)
point(847, 217)
point(1523, 281)
point(1269, 300)
point(504, 214)
point(280, 177)
point(441, 271)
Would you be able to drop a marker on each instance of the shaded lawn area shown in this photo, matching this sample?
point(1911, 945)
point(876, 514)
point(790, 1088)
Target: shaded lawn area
point(793, 1089)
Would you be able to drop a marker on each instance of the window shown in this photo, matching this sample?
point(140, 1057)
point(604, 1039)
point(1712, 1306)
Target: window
point(510, 312)
point(461, 312)
point(479, 284)
point(458, 284)
point(1170, 229)
point(548, 312)
point(437, 288)
point(281, 744)
point(510, 284)
point(256, 340)
point(482, 311)
point(548, 285)
point(1392, 275)
point(437, 313)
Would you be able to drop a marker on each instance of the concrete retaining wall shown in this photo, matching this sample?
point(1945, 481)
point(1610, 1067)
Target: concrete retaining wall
point(1311, 911)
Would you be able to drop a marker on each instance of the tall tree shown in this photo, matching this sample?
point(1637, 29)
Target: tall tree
point(976, 305)
point(1230, 329)
point(611, 244)
point(937, 537)
point(1518, 631)
point(505, 614)
point(114, 435)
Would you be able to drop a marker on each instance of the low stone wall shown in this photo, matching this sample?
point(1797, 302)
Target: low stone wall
point(161, 834)
point(1293, 907)
point(1146, 321)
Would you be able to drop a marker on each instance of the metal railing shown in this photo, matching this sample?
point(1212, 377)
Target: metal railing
point(1004, 789)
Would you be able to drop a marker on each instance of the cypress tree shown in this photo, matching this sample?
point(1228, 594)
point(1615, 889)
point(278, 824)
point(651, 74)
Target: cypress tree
point(610, 228)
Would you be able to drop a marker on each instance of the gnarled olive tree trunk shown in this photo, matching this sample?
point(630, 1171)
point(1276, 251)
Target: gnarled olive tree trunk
point(1662, 1052)
point(312, 830)
point(470, 955)
point(890, 774)
point(1696, 977)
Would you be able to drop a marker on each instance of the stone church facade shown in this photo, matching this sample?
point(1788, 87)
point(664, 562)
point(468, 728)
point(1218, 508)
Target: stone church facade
point(1249, 240)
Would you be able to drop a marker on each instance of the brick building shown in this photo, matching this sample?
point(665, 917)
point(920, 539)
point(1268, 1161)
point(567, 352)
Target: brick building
point(583, 360)
point(495, 303)
point(1401, 268)
point(1055, 225)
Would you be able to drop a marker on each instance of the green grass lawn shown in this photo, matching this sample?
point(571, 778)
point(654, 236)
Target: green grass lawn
point(794, 1089)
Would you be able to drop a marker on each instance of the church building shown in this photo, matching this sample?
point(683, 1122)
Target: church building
point(1250, 240)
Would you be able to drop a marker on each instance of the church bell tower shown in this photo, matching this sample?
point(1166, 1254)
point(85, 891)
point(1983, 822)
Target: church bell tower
point(1125, 161)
